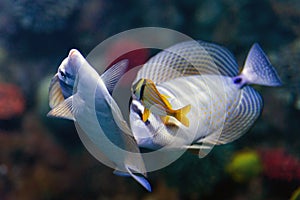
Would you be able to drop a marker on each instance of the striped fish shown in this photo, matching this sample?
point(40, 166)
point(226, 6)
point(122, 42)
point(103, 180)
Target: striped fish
point(204, 75)
point(146, 91)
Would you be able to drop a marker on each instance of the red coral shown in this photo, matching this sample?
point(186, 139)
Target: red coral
point(278, 164)
point(136, 53)
point(12, 102)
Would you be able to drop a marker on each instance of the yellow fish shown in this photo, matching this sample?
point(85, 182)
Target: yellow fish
point(146, 91)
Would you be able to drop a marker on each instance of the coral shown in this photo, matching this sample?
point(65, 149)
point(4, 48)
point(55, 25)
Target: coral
point(296, 194)
point(278, 164)
point(12, 102)
point(244, 165)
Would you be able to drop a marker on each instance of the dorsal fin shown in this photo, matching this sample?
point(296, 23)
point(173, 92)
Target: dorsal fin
point(189, 58)
point(111, 76)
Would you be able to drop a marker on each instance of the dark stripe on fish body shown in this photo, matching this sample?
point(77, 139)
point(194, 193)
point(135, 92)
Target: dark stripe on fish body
point(142, 90)
point(137, 110)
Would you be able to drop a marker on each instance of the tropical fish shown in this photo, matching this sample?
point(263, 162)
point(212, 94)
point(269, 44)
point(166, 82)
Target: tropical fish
point(204, 75)
point(146, 91)
point(78, 93)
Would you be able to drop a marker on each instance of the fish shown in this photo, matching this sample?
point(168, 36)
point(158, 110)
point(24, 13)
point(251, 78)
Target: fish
point(224, 105)
point(145, 90)
point(79, 94)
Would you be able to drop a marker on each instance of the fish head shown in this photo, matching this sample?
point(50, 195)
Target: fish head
point(138, 88)
point(68, 69)
point(63, 82)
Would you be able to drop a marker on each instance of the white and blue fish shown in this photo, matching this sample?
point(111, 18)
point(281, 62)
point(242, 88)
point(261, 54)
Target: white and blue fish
point(223, 105)
point(78, 93)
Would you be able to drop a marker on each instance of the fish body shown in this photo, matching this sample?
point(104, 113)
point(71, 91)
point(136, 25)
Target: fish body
point(204, 75)
point(146, 92)
point(78, 93)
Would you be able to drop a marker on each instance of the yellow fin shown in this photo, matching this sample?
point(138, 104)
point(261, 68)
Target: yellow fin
point(170, 121)
point(165, 96)
point(145, 115)
point(180, 115)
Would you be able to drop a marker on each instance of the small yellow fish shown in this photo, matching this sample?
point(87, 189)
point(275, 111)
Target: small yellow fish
point(146, 91)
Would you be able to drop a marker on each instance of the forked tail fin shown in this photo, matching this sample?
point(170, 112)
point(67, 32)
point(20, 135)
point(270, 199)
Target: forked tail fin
point(258, 69)
point(180, 115)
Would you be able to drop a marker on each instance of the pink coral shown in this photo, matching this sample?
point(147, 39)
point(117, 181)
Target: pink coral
point(278, 164)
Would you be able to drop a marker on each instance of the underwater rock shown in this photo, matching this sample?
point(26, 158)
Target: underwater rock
point(12, 106)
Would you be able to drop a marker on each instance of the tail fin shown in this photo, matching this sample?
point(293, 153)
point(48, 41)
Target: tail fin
point(180, 115)
point(258, 69)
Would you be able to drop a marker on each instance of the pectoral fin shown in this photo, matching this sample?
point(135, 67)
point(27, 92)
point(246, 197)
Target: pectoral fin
point(55, 92)
point(63, 110)
point(180, 115)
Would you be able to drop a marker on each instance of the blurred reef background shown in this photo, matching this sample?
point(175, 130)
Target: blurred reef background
point(43, 158)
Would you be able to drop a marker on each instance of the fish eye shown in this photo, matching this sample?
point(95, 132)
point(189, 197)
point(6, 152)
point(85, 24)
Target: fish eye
point(62, 74)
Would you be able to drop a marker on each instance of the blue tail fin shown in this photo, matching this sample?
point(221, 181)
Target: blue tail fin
point(140, 179)
point(258, 69)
